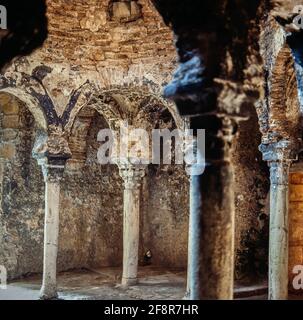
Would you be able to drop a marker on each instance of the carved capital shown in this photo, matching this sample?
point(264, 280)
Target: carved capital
point(132, 174)
point(220, 129)
point(279, 156)
point(52, 152)
point(279, 172)
point(280, 151)
point(53, 145)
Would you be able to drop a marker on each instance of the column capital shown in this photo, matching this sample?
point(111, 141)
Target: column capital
point(52, 170)
point(220, 130)
point(279, 151)
point(52, 152)
point(131, 174)
point(279, 155)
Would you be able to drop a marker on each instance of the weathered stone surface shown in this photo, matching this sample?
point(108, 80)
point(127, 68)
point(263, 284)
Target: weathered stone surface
point(11, 121)
point(7, 151)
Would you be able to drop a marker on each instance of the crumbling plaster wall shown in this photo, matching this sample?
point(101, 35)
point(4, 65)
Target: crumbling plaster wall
point(22, 192)
point(251, 200)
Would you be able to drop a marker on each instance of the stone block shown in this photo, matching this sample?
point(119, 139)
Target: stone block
point(9, 134)
point(11, 121)
point(7, 151)
point(121, 10)
point(126, 10)
point(12, 107)
point(135, 9)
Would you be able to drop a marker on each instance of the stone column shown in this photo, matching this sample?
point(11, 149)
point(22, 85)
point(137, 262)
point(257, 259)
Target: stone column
point(195, 207)
point(278, 155)
point(217, 215)
point(132, 176)
point(193, 283)
point(212, 215)
point(53, 173)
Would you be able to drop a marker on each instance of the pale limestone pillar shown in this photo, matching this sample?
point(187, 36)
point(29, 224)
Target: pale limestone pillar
point(279, 226)
point(53, 174)
point(279, 157)
point(195, 208)
point(193, 264)
point(132, 176)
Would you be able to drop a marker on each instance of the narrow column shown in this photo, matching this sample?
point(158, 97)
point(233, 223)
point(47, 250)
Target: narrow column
point(279, 157)
point(53, 173)
point(193, 282)
point(132, 176)
point(195, 207)
point(278, 236)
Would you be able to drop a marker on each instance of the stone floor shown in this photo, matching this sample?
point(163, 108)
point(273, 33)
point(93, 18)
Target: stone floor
point(103, 284)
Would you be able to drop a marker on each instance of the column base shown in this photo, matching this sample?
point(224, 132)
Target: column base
point(50, 295)
point(186, 296)
point(126, 282)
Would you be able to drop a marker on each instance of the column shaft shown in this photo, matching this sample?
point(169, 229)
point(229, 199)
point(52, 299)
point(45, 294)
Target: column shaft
point(132, 176)
point(278, 238)
point(193, 279)
point(131, 236)
point(53, 174)
point(217, 233)
point(51, 232)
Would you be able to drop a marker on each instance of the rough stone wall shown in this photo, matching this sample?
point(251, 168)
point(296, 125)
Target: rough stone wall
point(251, 200)
point(165, 219)
point(92, 207)
point(84, 44)
point(92, 213)
point(22, 192)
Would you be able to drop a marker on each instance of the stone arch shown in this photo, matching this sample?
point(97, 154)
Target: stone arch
point(117, 110)
point(87, 195)
point(119, 104)
point(30, 102)
point(284, 109)
point(108, 104)
point(78, 99)
point(21, 181)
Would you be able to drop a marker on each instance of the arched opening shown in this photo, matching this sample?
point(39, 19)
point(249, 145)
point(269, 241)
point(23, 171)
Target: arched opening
point(165, 208)
point(21, 190)
point(91, 201)
point(91, 223)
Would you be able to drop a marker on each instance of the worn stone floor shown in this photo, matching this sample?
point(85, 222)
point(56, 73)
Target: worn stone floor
point(103, 284)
